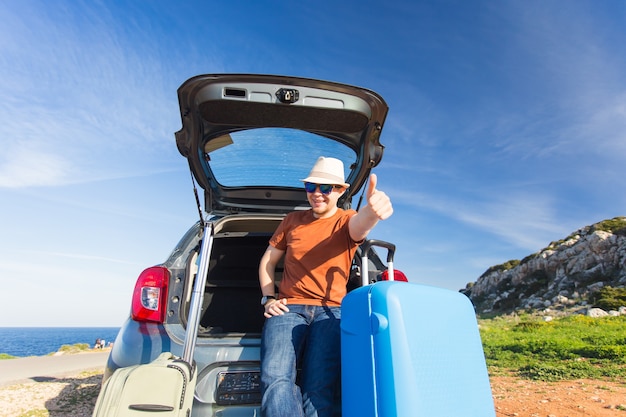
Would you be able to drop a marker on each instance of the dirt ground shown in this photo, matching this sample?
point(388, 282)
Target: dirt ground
point(75, 396)
point(578, 398)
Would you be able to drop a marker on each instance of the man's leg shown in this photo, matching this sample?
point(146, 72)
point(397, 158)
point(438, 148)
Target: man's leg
point(321, 365)
point(281, 343)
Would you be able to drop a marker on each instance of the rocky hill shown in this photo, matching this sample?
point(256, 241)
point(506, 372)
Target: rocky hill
point(565, 276)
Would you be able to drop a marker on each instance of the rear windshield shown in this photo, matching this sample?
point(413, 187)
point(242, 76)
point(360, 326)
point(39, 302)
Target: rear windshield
point(271, 156)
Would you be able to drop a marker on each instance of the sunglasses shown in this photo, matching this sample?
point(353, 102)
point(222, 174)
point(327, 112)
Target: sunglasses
point(325, 189)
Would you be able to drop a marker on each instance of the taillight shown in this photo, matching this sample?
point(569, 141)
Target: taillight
point(150, 295)
point(397, 276)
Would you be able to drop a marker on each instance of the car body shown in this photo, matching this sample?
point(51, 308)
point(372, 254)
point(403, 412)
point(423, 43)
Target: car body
point(248, 139)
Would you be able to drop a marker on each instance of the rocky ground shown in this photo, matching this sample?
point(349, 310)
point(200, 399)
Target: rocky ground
point(71, 396)
point(75, 396)
point(578, 398)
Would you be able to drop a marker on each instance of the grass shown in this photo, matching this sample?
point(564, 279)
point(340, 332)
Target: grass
point(75, 348)
point(36, 413)
point(567, 348)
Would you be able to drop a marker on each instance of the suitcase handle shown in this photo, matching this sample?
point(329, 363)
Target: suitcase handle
point(365, 248)
point(391, 248)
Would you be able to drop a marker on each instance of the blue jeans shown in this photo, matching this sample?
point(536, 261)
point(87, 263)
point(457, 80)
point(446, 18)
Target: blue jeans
point(307, 337)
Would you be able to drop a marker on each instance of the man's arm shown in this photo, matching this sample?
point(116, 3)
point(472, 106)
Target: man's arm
point(267, 270)
point(378, 208)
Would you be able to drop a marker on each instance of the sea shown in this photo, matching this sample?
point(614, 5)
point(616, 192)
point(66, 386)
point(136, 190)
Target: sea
point(40, 341)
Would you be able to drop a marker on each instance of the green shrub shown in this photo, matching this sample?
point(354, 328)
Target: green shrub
point(609, 298)
point(502, 267)
point(614, 225)
point(78, 347)
point(527, 326)
point(558, 372)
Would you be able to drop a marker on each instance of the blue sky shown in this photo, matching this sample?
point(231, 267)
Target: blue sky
point(506, 130)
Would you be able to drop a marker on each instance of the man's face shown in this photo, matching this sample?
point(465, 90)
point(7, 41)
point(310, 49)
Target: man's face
point(323, 204)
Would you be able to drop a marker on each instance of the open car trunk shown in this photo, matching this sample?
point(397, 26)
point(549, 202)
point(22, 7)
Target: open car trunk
point(232, 292)
point(231, 304)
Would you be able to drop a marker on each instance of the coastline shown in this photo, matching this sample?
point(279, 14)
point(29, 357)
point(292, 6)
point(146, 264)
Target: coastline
point(23, 342)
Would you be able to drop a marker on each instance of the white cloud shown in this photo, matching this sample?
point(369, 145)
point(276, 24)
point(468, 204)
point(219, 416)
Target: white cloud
point(577, 75)
point(84, 257)
point(523, 220)
point(77, 92)
point(29, 164)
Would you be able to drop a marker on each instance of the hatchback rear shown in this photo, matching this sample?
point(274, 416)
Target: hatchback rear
point(248, 140)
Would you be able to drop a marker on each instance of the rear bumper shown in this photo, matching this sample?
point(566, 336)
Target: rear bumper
point(137, 343)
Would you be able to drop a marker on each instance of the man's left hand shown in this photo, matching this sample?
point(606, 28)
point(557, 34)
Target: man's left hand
point(379, 202)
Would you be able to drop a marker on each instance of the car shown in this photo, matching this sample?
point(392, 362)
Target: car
point(248, 140)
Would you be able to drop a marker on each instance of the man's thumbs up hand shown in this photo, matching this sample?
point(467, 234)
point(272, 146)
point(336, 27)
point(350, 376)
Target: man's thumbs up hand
point(378, 201)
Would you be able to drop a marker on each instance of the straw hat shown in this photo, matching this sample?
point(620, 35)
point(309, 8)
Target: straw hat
point(327, 171)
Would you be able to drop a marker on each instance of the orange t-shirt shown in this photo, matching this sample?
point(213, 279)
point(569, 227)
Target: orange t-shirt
point(318, 255)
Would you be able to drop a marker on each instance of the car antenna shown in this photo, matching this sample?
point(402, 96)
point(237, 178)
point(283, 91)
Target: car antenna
point(195, 193)
point(362, 192)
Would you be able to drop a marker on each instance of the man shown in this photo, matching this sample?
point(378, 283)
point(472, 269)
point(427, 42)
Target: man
point(302, 321)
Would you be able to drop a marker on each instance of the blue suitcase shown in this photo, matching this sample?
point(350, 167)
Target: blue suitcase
point(411, 350)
